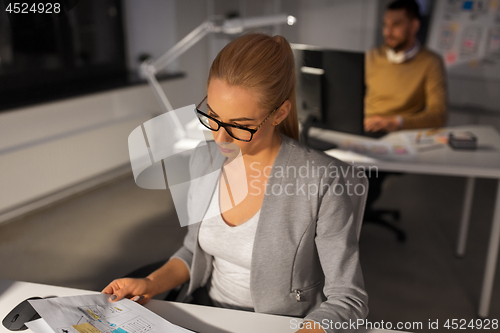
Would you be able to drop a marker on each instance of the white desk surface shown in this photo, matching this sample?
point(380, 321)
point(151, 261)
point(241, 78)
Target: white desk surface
point(482, 162)
point(202, 319)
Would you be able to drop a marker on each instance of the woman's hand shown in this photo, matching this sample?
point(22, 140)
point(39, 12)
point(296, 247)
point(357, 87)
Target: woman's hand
point(139, 290)
point(174, 273)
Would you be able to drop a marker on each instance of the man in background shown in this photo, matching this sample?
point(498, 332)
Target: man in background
point(406, 82)
point(405, 87)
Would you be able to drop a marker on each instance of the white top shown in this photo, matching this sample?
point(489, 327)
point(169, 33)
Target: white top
point(231, 248)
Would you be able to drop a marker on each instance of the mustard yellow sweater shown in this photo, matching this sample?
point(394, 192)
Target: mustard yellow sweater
point(414, 89)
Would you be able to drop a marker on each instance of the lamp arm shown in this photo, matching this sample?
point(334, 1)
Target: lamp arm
point(184, 44)
point(158, 91)
point(149, 69)
point(164, 102)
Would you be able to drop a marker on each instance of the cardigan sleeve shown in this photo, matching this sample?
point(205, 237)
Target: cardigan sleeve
point(337, 245)
point(185, 252)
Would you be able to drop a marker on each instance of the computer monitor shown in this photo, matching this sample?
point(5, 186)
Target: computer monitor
point(330, 88)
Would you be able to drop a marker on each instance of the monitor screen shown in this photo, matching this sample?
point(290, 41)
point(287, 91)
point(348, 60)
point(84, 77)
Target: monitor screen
point(331, 87)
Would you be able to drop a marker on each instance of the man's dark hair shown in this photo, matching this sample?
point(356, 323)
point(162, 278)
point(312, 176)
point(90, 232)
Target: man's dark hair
point(411, 8)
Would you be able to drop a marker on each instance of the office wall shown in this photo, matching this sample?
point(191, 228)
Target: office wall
point(338, 24)
point(473, 79)
point(150, 27)
point(251, 8)
point(51, 148)
point(190, 14)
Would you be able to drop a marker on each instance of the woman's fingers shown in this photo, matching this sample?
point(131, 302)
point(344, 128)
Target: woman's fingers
point(144, 300)
point(121, 293)
point(127, 287)
point(110, 288)
point(117, 288)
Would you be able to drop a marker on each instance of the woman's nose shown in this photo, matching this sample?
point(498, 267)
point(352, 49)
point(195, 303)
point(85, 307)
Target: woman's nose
point(222, 135)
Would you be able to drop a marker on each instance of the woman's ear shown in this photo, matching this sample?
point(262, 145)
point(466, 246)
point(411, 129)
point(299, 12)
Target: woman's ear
point(282, 112)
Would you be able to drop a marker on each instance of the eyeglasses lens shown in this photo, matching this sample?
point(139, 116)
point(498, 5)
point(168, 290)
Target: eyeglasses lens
point(236, 133)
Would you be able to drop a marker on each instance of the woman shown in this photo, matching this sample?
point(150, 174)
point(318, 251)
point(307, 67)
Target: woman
point(289, 247)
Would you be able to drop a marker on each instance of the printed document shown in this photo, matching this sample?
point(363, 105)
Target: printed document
point(96, 314)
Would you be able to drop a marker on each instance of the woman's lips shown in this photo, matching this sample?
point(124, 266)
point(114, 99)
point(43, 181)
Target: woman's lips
point(225, 150)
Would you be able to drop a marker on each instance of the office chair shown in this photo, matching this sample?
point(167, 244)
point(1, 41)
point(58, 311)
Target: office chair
point(379, 216)
point(376, 216)
point(382, 217)
point(358, 203)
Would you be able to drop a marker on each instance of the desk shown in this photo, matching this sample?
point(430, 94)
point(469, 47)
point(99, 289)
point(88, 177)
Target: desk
point(203, 319)
point(483, 162)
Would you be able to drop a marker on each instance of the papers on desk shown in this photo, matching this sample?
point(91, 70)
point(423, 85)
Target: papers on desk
point(396, 146)
point(96, 314)
point(380, 149)
point(384, 148)
point(424, 140)
point(425, 137)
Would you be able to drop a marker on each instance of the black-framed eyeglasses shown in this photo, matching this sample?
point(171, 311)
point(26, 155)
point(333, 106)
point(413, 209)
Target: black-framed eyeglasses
point(237, 132)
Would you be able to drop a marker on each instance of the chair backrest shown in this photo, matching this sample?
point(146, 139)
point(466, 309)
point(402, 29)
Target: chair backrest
point(357, 194)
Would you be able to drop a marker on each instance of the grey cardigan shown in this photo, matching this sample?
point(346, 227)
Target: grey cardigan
point(305, 255)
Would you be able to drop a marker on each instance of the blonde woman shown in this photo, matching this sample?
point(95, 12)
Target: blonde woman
point(284, 249)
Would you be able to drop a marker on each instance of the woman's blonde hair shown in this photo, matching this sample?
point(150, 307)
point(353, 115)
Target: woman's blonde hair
point(263, 64)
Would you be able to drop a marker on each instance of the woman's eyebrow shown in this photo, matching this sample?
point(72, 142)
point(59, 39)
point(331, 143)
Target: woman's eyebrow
point(234, 119)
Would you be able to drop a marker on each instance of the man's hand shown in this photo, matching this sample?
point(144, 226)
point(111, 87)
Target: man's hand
point(379, 123)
